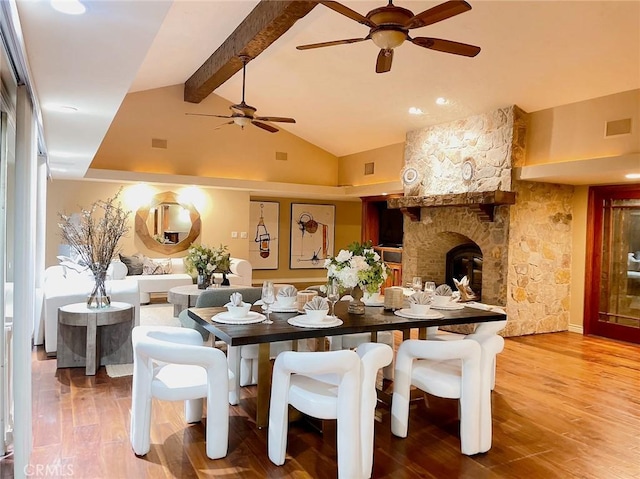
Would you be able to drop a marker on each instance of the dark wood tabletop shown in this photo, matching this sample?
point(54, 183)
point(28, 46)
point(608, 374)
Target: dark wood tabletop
point(375, 319)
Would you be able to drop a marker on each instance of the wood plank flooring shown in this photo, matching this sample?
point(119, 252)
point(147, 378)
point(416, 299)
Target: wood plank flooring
point(564, 406)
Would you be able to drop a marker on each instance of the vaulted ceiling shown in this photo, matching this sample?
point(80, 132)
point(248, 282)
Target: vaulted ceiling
point(536, 54)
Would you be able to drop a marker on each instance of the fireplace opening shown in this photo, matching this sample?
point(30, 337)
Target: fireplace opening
point(465, 260)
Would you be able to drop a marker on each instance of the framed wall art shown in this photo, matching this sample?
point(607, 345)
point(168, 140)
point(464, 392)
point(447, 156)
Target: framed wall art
point(264, 218)
point(312, 235)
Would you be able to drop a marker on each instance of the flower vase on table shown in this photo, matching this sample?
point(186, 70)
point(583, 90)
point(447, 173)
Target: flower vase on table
point(203, 280)
point(98, 298)
point(356, 306)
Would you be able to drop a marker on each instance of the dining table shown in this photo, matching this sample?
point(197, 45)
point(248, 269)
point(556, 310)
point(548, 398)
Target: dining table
point(374, 320)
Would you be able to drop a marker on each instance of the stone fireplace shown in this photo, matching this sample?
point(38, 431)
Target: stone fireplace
point(465, 196)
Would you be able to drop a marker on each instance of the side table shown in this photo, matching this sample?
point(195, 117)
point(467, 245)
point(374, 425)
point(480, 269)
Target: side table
point(92, 337)
point(183, 297)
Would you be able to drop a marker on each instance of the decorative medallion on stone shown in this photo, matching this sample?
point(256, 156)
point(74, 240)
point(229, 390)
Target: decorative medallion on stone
point(467, 170)
point(410, 176)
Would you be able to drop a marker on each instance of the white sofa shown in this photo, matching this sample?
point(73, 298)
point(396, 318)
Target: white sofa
point(241, 275)
point(64, 286)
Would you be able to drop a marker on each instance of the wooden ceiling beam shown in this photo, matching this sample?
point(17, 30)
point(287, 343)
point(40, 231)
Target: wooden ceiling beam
point(267, 22)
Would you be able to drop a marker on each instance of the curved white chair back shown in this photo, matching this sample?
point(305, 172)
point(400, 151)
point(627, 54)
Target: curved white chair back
point(171, 364)
point(330, 385)
point(449, 369)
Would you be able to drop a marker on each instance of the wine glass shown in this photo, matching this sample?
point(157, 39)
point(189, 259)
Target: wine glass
point(268, 298)
point(430, 287)
point(416, 284)
point(333, 294)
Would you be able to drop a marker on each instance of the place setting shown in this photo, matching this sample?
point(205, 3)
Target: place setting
point(419, 307)
point(285, 301)
point(238, 312)
point(316, 315)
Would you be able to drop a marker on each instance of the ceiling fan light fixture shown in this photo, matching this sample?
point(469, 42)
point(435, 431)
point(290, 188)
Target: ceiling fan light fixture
point(388, 39)
point(242, 121)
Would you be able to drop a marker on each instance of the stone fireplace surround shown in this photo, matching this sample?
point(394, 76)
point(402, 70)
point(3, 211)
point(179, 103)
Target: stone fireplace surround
point(522, 228)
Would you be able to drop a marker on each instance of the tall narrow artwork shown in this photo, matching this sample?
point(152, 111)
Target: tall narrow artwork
point(264, 216)
point(312, 235)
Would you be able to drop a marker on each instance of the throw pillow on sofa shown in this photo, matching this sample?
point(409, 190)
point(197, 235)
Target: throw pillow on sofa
point(150, 266)
point(134, 263)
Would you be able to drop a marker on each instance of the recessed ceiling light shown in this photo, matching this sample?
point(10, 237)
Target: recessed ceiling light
point(70, 7)
point(415, 111)
point(441, 101)
point(633, 176)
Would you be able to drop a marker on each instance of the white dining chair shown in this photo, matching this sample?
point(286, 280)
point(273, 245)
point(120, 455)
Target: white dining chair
point(448, 369)
point(330, 385)
point(171, 364)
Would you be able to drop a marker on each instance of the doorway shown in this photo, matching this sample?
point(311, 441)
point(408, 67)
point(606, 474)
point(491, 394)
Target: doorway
point(612, 290)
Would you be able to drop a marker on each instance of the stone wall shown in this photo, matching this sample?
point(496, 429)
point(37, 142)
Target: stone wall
point(526, 248)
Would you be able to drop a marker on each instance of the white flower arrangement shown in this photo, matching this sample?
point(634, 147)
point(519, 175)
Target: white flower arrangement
point(358, 265)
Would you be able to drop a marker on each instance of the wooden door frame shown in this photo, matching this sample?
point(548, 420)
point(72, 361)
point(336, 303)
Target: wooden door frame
point(594, 258)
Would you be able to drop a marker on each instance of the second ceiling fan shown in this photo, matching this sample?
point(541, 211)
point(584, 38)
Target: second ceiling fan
point(243, 114)
point(390, 25)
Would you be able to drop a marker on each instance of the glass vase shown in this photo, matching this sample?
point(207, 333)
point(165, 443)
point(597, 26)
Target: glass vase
point(98, 298)
point(356, 306)
point(203, 280)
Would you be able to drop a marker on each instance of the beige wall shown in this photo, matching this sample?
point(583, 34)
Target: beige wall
point(196, 148)
point(388, 161)
point(348, 226)
point(221, 212)
point(576, 131)
point(578, 257)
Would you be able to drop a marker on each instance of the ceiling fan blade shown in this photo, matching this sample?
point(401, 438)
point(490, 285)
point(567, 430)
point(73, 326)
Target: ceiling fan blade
point(438, 13)
point(278, 119)
point(447, 46)
point(330, 44)
point(224, 124)
point(264, 126)
point(347, 12)
point(208, 114)
point(383, 64)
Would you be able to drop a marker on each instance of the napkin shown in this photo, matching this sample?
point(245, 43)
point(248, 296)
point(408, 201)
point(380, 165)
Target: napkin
point(420, 297)
point(443, 290)
point(236, 299)
point(288, 291)
point(317, 303)
point(466, 293)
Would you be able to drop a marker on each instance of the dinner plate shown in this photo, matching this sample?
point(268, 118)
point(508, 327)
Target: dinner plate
point(378, 302)
point(303, 322)
point(282, 309)
point(451, 307)
point(406, 313)
point(250, 318)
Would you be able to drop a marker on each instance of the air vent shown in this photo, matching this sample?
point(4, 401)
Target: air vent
point(281, 156)
point(368, 168)
point(617, 127)
point(158, 143)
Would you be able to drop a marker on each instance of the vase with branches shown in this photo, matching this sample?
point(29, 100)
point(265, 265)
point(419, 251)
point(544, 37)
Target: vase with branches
point(94, 235)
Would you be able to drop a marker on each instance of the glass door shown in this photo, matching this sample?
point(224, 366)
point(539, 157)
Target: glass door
point(613, 287)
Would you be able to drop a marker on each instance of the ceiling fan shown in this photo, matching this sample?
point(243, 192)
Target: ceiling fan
point(243, 114)
point(390, 27)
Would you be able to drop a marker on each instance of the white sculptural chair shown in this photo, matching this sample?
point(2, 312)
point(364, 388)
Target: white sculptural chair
point(330, 385)
point(171, 364)
point(448, 369)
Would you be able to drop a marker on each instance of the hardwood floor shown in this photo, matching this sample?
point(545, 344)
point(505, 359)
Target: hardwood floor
point(564, 406)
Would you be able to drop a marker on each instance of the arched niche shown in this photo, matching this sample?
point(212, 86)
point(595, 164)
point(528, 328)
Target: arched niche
point(159, 227)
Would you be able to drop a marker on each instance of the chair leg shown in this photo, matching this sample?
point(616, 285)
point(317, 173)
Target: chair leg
point(217, 424)
point(233, 356)
point(193, 410)
point(278, 418)
point(140, 432)
point(400, 402)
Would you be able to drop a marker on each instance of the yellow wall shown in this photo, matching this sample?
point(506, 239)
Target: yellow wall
point(388, 161)
point(576, 131)
point(196, 148)
point(221, 212)
point(578, 257)
point(348, 225)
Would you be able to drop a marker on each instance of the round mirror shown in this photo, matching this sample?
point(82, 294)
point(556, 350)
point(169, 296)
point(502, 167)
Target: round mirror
point(166, 225)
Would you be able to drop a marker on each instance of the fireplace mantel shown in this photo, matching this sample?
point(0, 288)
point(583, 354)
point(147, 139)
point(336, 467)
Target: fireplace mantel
point(482, 202)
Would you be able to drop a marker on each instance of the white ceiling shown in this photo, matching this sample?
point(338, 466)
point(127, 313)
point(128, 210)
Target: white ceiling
point(535, 54)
